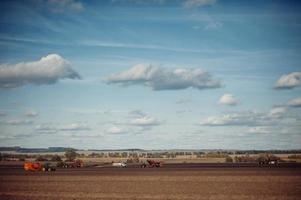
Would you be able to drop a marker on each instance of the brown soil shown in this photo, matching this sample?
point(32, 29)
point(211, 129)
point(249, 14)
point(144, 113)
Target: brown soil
point(158, 183)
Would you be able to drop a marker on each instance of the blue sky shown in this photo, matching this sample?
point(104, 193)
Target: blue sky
point(156, 74)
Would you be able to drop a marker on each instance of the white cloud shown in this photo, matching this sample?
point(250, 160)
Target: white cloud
point(159, 78)
point(72, 127)
point(91, 111)
point(14, 136)
point(198, 3)
point(46, 129)
point(277, 112)
point(47, 70)
point(17, 122)
point(186, 3)
point(248, 118)
point(145, 121)
point(259, 130)
point(141, 2)
point(137, 113)
point(97, 43)
point(7, 137)
point(227, 120)
point(2, 113)
point(62, 5)
point(228, 99)
point(183, 101)
point(212, 25)
point(115, 130)
point(289, 81)
point(31, 113)
point(295, 102)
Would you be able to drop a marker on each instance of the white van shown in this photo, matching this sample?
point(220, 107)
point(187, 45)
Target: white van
point(119, 164)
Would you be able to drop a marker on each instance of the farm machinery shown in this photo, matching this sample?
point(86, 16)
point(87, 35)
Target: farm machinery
point(75, 164)
point(152, 163)
point(119, 164)
point(268, 160)
point(39, 167)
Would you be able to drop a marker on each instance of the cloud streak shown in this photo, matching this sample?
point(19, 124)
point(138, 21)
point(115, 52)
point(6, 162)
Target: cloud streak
point(295, 102)
point(17, 122)
point(247, 118)
point(198, 3)
point(159, 78)
point(72, 127)
point(47, 70)
point(145, 121)
point(62, 5)
point(31, 113)
point(115, 130)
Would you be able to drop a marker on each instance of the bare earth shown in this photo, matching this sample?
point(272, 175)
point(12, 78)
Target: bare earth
point(152, 183)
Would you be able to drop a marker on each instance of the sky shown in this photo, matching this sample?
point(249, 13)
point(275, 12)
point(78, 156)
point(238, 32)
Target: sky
point(157, 74)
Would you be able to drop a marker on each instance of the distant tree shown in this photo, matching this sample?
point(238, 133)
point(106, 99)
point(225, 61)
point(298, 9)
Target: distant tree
point(56, 158)
point(70, 155)
point(22, 157)
point(93, 155)
point(229, 159)
point(41, 158)
point(294, 156)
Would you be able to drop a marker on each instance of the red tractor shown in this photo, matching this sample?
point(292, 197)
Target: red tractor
point(152, 163)
point(29, 166)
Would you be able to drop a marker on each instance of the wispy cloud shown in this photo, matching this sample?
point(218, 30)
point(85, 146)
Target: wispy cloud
point(31, 113)
point(116, 130)
point(198, 3)
point(137, 113)
point(247, 118)
point(183, 101)
point(145, 121)
point(159, 78)
point(8, 136)
point(17, 122)
point(295, 102)
point(91, 111)
point(259, 130)
point(212, 25)
point(94, 43)
point(63, 5)
point(54, 128)
point(2, 113)
point(141, 2)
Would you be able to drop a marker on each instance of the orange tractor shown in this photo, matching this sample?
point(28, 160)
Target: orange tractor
point(28, 166)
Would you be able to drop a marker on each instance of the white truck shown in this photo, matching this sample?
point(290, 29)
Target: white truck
point(119, 164)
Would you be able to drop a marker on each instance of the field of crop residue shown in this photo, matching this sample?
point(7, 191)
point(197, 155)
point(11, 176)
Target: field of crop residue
point(156, 183)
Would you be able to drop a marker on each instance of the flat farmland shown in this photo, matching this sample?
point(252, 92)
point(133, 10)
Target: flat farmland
point(169, 182)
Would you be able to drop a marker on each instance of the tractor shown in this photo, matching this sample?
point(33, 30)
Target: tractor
point(268, 160)
point(28, 166)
